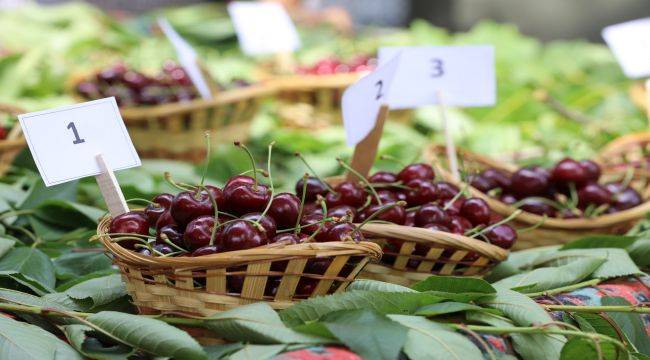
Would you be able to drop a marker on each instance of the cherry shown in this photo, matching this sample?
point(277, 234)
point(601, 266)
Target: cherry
point(163, 248)
point(595, 194)
point(310, 222)
point(500, 178)
point(240, 235)
point(346, 193)
point(422, 191)
point(431, 214)
point(284, 210)
point(246, 198)
point(569, 170)
point(306, 286)
point(568, 214)
point(383, 177)
point(436, 227)
point(287, 238)
point(395, 214)
point(502, 236)
point(112, 74)
point(188, 205)
point(475, 210)
point(454, 207)
point(217, 195)
point(272, 285)
point(160, 204)
point(198, 232)
point(239, 180)
point(144, 251)
point(266, 222)
point(314, 188)
point(132, 222)
point(536, 206)
point(172, 232)
point(416, 171)
point(591, 169)
point(135, 80)
point(627, 199)
point(482, 183)
point(529, 182)
point(410, 218)
point(344, 232)
point(459, 225)
point(342, 211)
point(317, 266)
point(445, 190)
point(508, 199)
point(206, 250)
point(386, 196)
point(164, 220)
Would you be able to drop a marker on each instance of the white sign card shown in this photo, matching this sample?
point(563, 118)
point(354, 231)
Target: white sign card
point(65, 141)
point(263, 28)
point(630, 43)
point(465, 75)
point(361, 101)
point(187, 57)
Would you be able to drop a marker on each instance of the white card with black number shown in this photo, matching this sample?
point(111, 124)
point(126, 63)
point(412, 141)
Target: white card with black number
point(65, 141)
point(463, 75)
point(263, 27)
point(361, 101)
point(630, 43)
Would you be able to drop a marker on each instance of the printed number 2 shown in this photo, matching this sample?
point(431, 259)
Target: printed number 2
point(77, 140)
point(379, 84)
point(437, 68)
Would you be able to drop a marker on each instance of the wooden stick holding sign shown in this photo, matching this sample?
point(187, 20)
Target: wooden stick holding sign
point(110, 189)
point(647, 100)
point(365, 152)
point(452, 157)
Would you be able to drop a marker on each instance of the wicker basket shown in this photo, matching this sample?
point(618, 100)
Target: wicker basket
point(11, 146)
point(549, 231)
point(628, 151)
point(637, 93)
point(197, 285)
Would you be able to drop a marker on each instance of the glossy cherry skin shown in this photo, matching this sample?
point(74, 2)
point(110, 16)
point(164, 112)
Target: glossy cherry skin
point(386, 196)
point(421, 249)
point(431, 214)
point(198, 232)
point(476, 210)
point(416, 171)
point(536, 206)
point(314, 188)
point(528, 182)
point(568, 214)
point(508, 199)
point(188, 205)
point(502, 236)
point(626, 198)
point(246, 198)
point(206, 250)
point(421, 192)
point(569, 170)
point(482, 183)
point(287, 238)
point(241, 235)
point(591, 169)
point(459, 225)
point(173, 233)
point(163, 249)
point(217, 195)
point(132, 222)
point(500, 178)
point(395, 214)
point(144, 251)
point(383, 177)
point(346, 193)
point(284, 210)
point(342, 211)
point(410, 218)
point(344, 232)
point(454, 207)
point(266, 222)
point(310, 223)
point(239, 180)
point(161, 203)
point(594, 193)
point(445, 190)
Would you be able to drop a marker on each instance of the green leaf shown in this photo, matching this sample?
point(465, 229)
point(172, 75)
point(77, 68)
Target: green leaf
point(31, 263)
point(98, 291)
point(640, 252)
point(382, 302)
point(596, 323)
point(220, 351)
point(72, 265)
point(257, 352)
point(72, 282)
point(456, 288)
point(427, 340)
point(451, 307)
point(83, 339)
point(600, 241)
point(580, 349)
point(547, 278)
point(630, 323)
point(6, 244)
point(148, 334)
point(374, 285)
point(39, 193)
point(55, 300)
point(256, 323)
point(22, 341)
point(517, 261)
point(367, 333)
point(68, 214)
point(617, 263)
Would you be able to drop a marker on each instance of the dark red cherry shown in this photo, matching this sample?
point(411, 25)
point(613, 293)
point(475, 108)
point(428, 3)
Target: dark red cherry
point(154, 212)
point(591, 169)
point(476, 210)
point(164, 200)
point(508, 199)
point(346, 193)
point(306, 286)
point(246, 198)
point(112, 74)
point(482, 183)
point(314, 188)
point(528, 182)
point(135, 80)
point(163, 249)
point(144, 251)
point(445, 190)
point(198, 231)
point(239, 180)
point(206, 250)
point(627, 199)
point(318, 266)
point(172, 232)
point(502, 236)
point(594, 193)
point(386, 196)
point(459, 225)
point(500, 178)
point(342, 211)
point(537, 206)
point(431, 214)
point(284, 210)
point(454, 207)
point(217, 195)
point(266, 222)
point(287, 238)
point(383, 177)
point(344, 232)
point(310, 222)
point(421, 192)
point(188, 205)
point(410, 218)
point(436, 227)
point(395, 214)
point(568, 214)
point(241, 235)
point(132, 222)
point(164, 220)
point(569, 170)
point(416, 171)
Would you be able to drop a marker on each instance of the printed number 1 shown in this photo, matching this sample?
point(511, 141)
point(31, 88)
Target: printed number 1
point(379, 84)
point(77, 140)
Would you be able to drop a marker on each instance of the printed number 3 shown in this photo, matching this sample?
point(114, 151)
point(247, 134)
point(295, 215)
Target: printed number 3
point(437, 68)
point(77, 140)
point(379, 84)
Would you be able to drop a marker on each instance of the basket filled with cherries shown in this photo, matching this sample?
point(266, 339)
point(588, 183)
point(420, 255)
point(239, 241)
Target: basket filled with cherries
point(12, 140)
point(165, 113)
point(567, 201)
point(628, 153)
point(208, 249)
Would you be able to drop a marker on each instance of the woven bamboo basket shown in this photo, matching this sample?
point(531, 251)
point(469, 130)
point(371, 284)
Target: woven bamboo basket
point(15, 141)
point(198, 285)
point(437, 253)
point(627, 152)
point(549, 231)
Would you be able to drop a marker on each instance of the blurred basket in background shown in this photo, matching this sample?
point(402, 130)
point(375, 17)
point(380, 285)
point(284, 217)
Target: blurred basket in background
point(629, 152)
point(14, 141)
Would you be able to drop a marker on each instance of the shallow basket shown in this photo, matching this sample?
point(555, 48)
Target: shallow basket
point(197, 285)
point(11, 146)
point(628, 152)
point(548, 231)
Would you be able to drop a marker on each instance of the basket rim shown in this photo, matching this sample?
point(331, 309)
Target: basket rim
point(276, 252)
point(623, 143)
point(598, 222)
point(298, 82)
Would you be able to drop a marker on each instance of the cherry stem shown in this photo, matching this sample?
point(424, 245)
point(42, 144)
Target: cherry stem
point(302, 203)
point(321, 224)
point(397, 184)
point(380, 211)
point(165, 238)
point(550, 202)
point(261, 171)
point(535, 226)
point(131, 234)
point(574, 195)
point(11, 213)
point(213, 233)
point(207, 158)
point(361, 178)
point(149, 202)
point(392, 159)
point(325, 219)
point(268, 165)
point(124, 238)
point(170, 181)
point(304, 161)
point(251, 158)
point(508, 219)
point(451, 202)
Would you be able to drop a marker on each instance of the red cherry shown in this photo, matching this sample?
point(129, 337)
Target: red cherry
point(395, 214)
point(502, 236)
point(476, 210)
point(342, 211)
point(595, 194)
point(416, 171)
point(144, 251)
point(508, 199)
point(284, 210)
point(310, 222)
point(625, 198)
point(431, 214)
point(164, 220)
point(454, 207)
point(163, 249)
point(241, 235)
point(314, 188)
point(386, 196)
point(591, 169)
point(529, 182)
point(410, 218)
point(246, 198)
point(239, 180)
point(206, 250)
point(217, 195)
point(536, 206)
point(481, 183)
point(306, 286)
point(317, 266)
point(569, 170)
point(383, 177)
point(266, 222)
point(188, 205)
point(198, 231)
point(344, 232)
point(422, 191)
point(161, 203)
point(132, 222)
point(346, 193)
point(173, 233)
point(500, 178)
point(459, 225)
point(287, 238)
point(445, 190)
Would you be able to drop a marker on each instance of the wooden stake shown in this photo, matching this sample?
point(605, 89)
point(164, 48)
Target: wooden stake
point(110, 189)
point(209, 80)
point(366, 151)
point(285, 62)
point(647, 100)
point(450, 146)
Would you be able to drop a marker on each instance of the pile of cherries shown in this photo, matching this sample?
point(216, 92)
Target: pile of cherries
point(131, 87)
point(568, 190)
point(335, 65)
